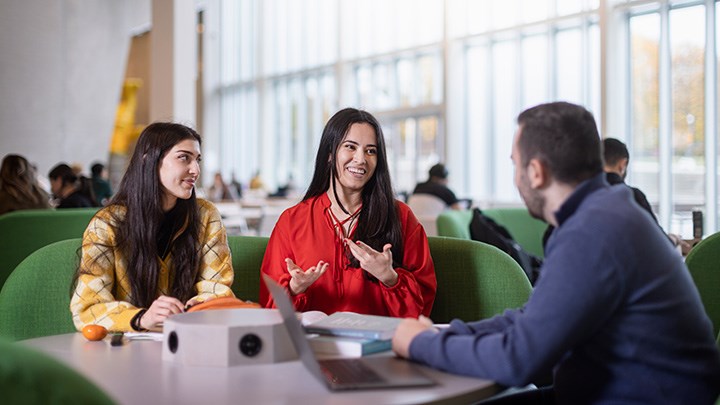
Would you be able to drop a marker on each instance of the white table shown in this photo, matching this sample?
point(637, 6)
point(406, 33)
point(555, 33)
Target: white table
point(135, 374)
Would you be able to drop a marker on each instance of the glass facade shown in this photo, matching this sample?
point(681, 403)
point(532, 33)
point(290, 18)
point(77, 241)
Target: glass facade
point(447, 78)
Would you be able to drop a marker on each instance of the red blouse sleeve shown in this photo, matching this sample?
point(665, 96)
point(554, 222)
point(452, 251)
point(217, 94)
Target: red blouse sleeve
point(278, 249)
point(414, 292)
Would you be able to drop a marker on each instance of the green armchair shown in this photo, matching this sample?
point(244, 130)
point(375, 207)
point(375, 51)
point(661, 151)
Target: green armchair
point(35, 300)
point(526, 230)
point(247, 257)
point(475, 280)
point(703, 261)
point(23, 232)
point(29, 377)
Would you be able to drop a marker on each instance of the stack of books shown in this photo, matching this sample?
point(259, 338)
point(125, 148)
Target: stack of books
point(348, 334)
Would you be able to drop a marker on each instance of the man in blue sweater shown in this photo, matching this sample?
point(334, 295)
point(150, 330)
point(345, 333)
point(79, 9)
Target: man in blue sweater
point(614, 314)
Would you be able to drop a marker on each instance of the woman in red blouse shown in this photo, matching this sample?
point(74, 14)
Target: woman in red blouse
point(349, 245)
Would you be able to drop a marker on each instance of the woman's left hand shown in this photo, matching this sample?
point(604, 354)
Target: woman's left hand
point(379, 264)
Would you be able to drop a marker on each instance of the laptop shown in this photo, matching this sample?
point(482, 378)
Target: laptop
point(345, 374)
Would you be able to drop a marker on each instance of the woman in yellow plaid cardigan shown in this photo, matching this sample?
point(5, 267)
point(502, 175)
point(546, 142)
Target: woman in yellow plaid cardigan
point(155, 249)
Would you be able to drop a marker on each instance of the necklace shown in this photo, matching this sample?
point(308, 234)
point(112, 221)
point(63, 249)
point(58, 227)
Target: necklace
point(341, 229)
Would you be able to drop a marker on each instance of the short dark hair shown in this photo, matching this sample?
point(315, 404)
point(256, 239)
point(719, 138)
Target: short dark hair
point(564, 137)
point(614, 150)
point(439, 170)
point(97, 169)
point(63, 172)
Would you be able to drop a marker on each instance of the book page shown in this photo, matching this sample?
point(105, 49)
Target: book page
point(309, 317)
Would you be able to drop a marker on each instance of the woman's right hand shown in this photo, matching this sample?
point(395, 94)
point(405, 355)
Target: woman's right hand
point(160, 310)
point(302, 279)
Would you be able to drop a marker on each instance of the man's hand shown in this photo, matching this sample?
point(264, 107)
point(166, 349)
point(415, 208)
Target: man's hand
point(302, 279)
point(406, 332)
point(379, 264)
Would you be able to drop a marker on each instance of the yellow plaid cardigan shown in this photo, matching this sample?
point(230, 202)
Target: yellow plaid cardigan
point(103, 291)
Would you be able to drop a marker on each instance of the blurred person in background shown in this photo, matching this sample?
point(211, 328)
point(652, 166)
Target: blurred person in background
point(68, 189)
point(19, 188)
point(100, 185)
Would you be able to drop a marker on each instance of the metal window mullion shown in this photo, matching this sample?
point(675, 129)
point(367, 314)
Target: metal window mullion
point(490, 152)
point(711, 191)
point(441, 141)
point(552, 62)
point(585, 61)
point(665, 114)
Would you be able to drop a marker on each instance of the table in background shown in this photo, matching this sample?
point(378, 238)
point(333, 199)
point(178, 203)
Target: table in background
point(136, 374)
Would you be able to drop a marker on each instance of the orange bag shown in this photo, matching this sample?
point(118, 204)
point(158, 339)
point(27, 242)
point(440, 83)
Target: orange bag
point(223, 303)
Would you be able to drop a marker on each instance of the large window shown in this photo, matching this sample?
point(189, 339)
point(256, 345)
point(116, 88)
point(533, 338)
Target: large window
point(447, 79)
point(520, 60)
point(669, 96)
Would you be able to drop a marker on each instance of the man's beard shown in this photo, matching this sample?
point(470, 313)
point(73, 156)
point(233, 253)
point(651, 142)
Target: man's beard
point(534, 201)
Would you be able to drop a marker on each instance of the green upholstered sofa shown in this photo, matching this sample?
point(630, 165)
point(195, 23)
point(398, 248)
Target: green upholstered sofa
point(526, 230)
point(23, 232)
point(35, 300)
point(475, 281)
point(703, 262)
point(30, 377)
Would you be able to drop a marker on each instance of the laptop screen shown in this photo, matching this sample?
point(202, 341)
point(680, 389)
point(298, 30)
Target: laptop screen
point(294, 328)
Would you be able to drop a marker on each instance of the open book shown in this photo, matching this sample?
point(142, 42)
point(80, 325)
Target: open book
point(351, 324)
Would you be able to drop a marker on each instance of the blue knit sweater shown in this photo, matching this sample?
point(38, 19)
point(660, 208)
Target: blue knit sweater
point(615, 314)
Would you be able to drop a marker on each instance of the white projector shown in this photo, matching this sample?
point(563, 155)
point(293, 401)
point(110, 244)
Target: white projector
point(227, 337)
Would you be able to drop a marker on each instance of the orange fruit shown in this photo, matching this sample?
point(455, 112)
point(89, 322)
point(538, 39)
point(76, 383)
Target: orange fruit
point(94, 332)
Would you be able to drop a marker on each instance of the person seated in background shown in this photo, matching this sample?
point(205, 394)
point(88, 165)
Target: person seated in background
point(615, 163)
point(68, 189)
point(100, 185)
point(349, 245)
point(236, 186)
point(219, 191)
point(614, 314)
point(285, 191)
point(256, 182)
point(155, 249)
point(19, 189)
point(437, 185)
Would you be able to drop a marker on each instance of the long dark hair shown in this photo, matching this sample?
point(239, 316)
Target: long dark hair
point(17, 179)
point(378, 222)
point(140, 192)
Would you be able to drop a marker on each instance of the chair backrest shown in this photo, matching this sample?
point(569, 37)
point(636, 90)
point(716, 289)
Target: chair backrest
point(454, 223)
point(35, 300)
point(247, 256)
point(427, 208)
point(526, 230)
point(30, 377)
point(23, 232)
point(475, 280)
point(703, 261)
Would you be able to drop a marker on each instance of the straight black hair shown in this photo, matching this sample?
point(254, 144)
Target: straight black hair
point(141, 194)
point(378, 222)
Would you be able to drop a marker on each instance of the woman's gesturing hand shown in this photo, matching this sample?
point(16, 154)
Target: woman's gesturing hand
point(379, 264)
point(302, 279)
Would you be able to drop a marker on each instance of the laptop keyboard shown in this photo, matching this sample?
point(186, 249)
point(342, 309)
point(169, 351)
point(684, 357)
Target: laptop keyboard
point(349, 371)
